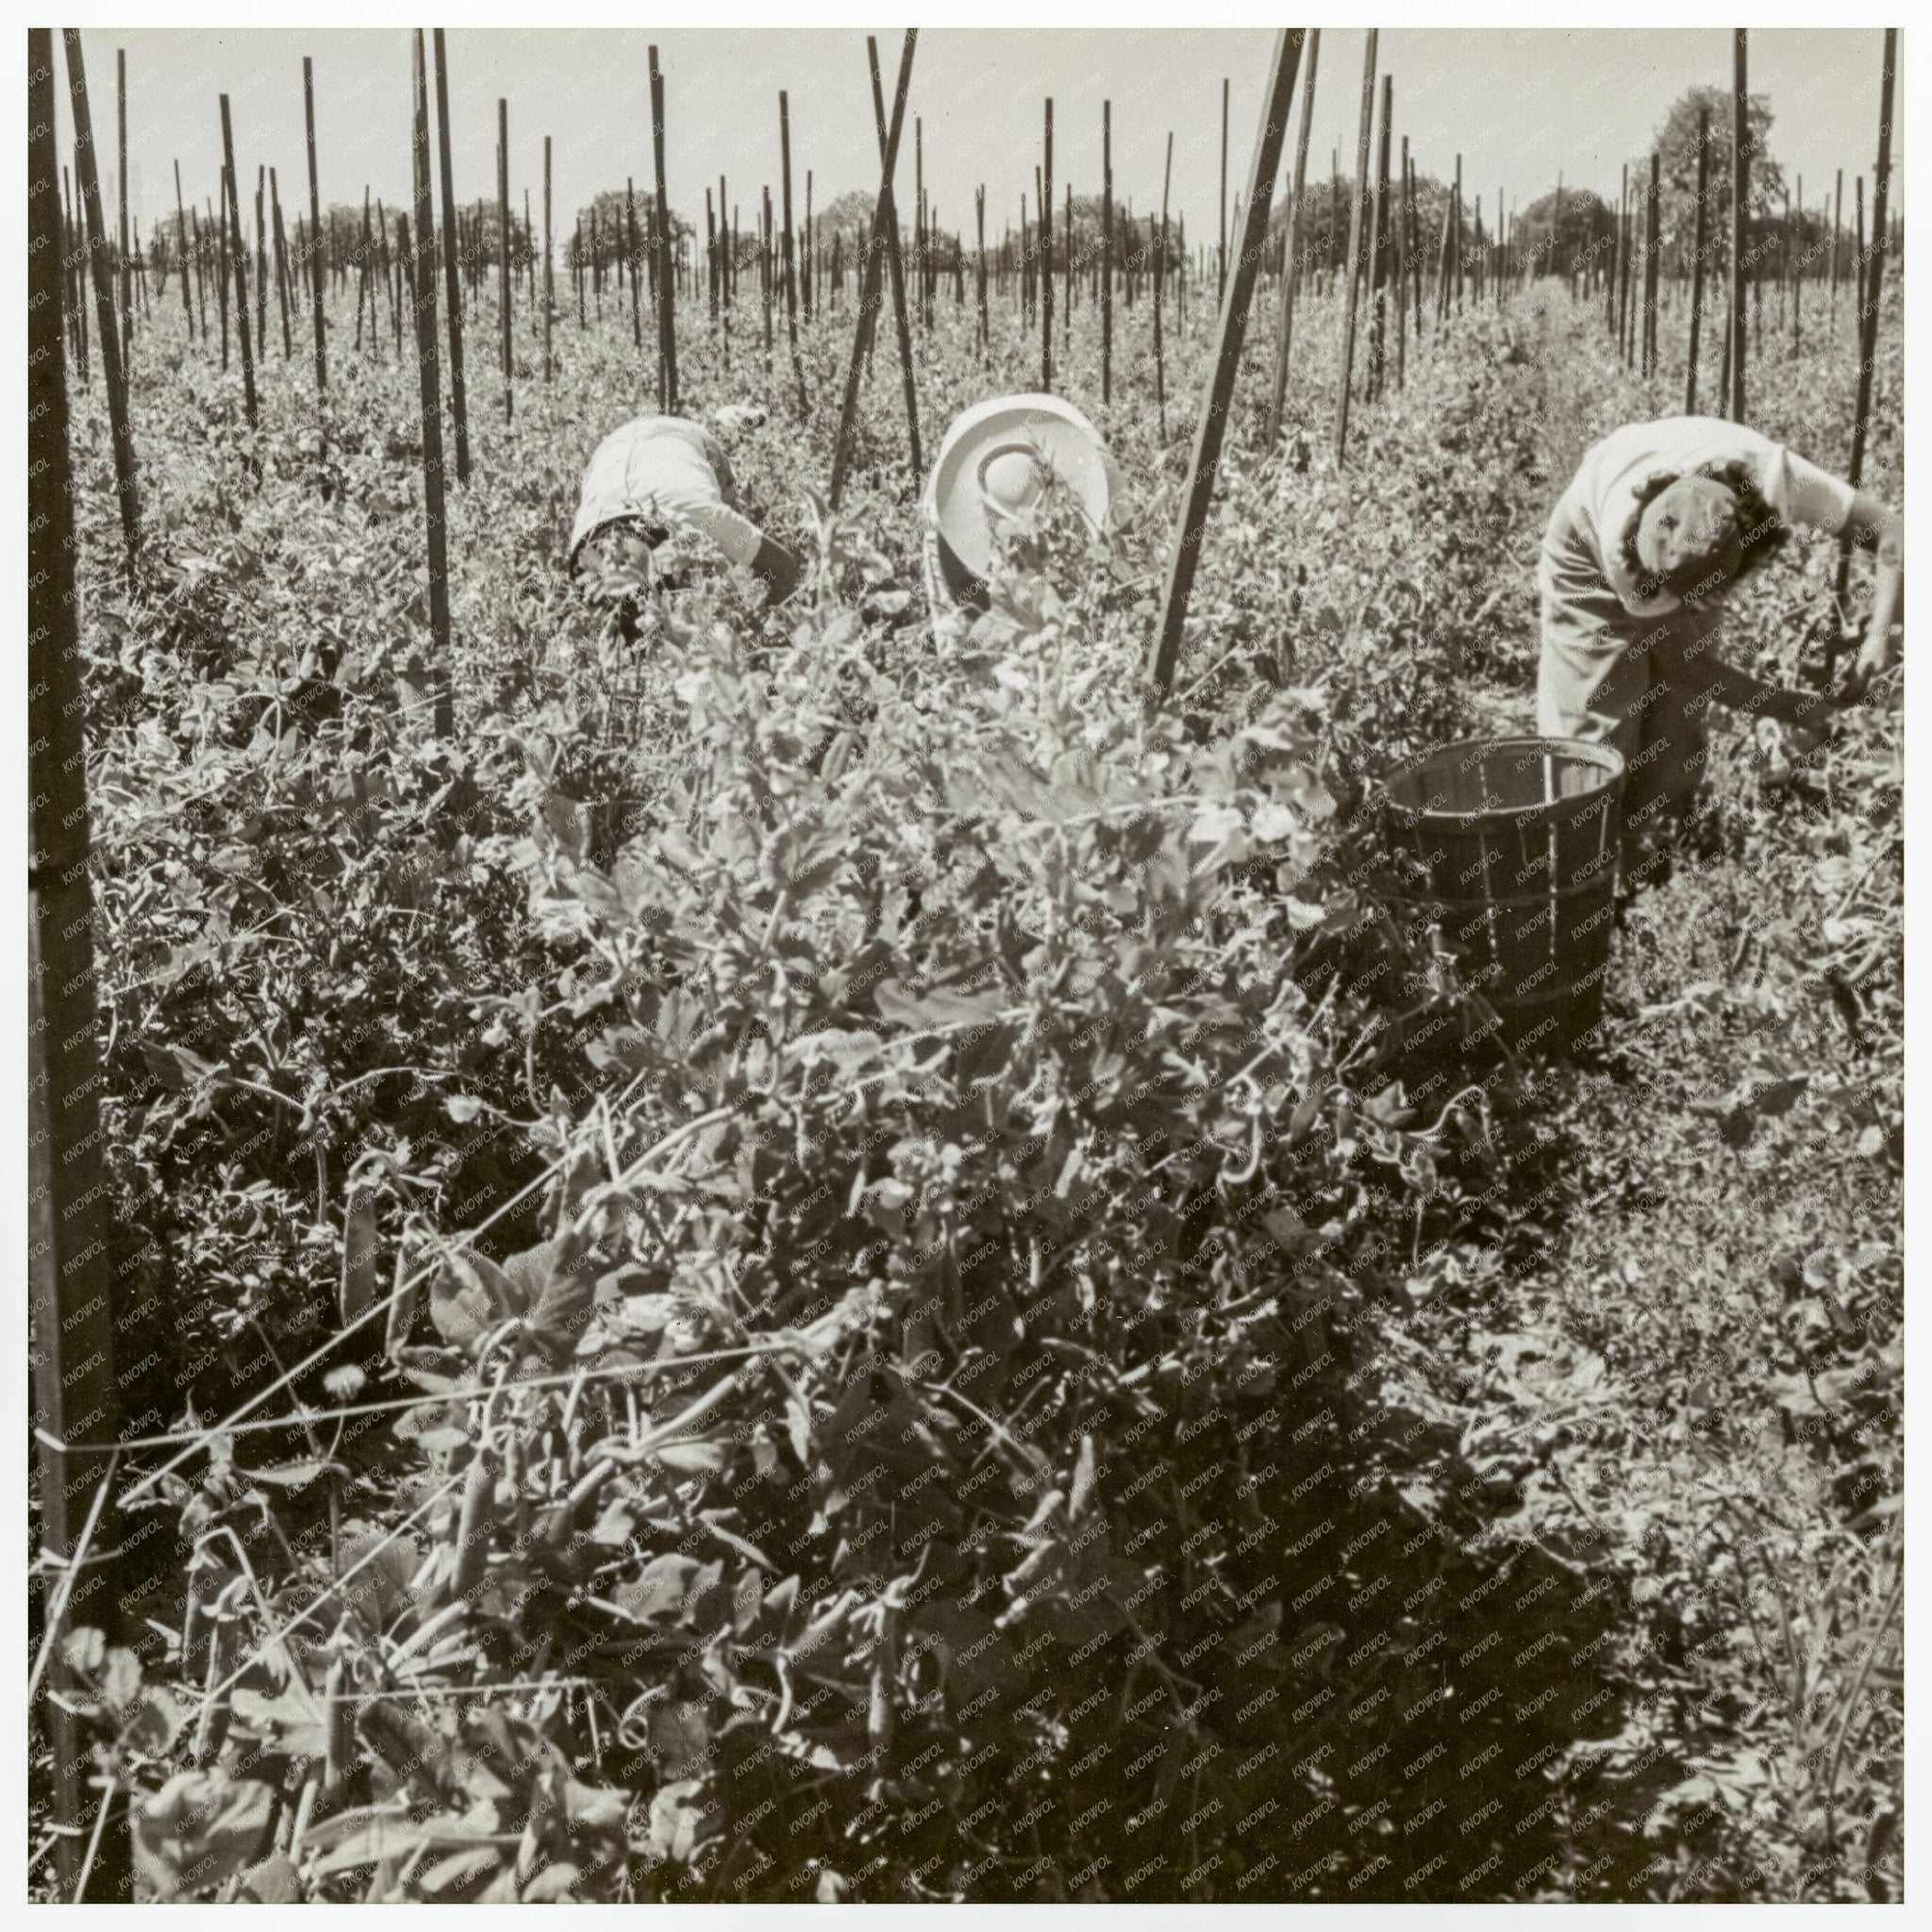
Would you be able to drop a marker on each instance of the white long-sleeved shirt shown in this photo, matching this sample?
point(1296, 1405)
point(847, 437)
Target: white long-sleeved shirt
point(664, 470)
point(1602, 496)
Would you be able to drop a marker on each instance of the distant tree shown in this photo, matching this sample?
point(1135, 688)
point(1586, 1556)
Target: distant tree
point(1589, 227)
point(845, 212)
point(612, 206)
point(1677, 149)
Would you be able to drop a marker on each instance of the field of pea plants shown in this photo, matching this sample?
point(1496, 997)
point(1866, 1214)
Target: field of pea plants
point(827, 1256)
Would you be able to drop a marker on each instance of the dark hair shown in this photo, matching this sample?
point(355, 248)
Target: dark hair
point(1761, 532)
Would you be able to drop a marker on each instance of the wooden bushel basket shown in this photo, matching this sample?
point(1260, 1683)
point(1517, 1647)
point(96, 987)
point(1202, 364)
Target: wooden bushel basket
point(1514, 849)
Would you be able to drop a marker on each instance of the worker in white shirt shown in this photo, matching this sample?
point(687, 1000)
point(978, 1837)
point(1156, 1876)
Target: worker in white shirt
point(658, 496)
point(1659, 521)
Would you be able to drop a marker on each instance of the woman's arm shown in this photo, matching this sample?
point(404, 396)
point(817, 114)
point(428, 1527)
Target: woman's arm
point(1872, 526)
point(1699, 668)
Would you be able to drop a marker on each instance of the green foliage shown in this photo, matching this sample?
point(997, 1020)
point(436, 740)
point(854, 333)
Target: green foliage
point(925, 1330)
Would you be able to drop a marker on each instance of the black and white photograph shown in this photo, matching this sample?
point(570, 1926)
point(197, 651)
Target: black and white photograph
point(965, 961)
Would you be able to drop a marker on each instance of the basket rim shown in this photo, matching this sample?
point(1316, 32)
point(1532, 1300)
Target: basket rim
point(1604, 757)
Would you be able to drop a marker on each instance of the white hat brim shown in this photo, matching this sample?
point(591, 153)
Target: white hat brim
point(1064, 440)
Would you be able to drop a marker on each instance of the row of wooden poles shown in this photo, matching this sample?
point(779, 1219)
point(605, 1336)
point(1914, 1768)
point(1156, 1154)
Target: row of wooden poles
point(76, 1396)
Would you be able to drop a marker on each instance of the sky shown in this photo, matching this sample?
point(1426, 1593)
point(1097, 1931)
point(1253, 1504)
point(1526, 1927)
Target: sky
point(1519, 106)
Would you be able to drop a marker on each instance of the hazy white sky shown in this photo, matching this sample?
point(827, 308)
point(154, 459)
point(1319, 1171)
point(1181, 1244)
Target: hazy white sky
point(1519, 106)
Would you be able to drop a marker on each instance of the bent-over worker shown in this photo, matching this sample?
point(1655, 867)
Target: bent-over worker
point(1660, 521)
point(652, 487)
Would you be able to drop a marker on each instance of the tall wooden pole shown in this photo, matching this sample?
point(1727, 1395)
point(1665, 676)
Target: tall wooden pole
point(791, 272)
point(1622, 305)
point(1414, 242)
point(281, 266)
point(1356, 238)
point(121, 194)
point(985, 341)
point(667, 322)
point(1159, 278)
point(113, 372)
point(1650, 271)
point(503, 253)
point(549, 277)
point(1106, 251)
point(895, 267)
point(317, 267)
point(1873, 284)
point(1858, 257)
point(1741, 163)
point(1185, 555)
point(423, 290)
point(70, 1290)
point(452, 268)
point(1378, 249)
point(1697, 260)
point(1403, 267)
point(633, 256)
point(1838, 223)
point(1221, 254)
point(261, 262)
point(1798, 254)
point(869, 302)
point(182, 235)
point(1046, 259)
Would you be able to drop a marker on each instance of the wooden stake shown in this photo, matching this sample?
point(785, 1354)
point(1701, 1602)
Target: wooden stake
point(423, 281)
point(1741, 163)
point(452, 267)
point(281, 267)
point(113, 372)
point(1046, 259)
point(791, 275)
point(549, 278)
point(1106, 250)
point(882, 218)
point(182, 235)
point(1415, 243)
point(1697, 260)
point(1650, 271)
point(1838, 223)
point(984, 320)
point(1354, 246)
point(1221, 256)
point(317, 266)
point(1293, 244)
point(1184, 556)
point(121, 192)
point(1797, 266)
point(1402, 267)
point(1872, 285)
point(503, 253)
point(633, 254)
point(667, 327)
point(70, 1289)
point(1378, 248)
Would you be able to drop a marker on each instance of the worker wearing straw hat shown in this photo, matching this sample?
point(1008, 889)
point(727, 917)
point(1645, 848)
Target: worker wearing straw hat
point(1660, 521)
point(998, 465)
point(658, 502)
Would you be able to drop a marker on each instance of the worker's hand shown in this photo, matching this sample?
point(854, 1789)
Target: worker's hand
point(1892, 544)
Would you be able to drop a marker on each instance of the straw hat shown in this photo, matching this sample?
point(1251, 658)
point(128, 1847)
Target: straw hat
point(996, 463)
